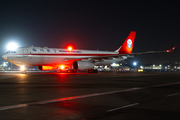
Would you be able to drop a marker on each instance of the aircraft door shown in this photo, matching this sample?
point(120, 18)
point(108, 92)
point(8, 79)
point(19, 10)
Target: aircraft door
point(25, 53)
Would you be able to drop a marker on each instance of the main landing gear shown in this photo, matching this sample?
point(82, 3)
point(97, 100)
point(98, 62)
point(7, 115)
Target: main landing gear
point(67, 71)
point(92, 71)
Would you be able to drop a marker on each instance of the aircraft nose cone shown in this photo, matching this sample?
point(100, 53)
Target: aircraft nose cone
point(4, 57)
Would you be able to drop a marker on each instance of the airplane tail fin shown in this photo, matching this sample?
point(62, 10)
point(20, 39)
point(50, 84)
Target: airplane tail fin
point(127, 46)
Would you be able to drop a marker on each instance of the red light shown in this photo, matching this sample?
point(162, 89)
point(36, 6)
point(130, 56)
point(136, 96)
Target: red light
point(62, 67)
point(46, 68)
point(69, 48)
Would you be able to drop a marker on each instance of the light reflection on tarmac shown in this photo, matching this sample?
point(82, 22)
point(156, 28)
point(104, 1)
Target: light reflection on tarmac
point(46, 95)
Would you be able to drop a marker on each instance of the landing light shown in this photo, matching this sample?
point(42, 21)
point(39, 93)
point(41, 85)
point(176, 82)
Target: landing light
point(22, 68)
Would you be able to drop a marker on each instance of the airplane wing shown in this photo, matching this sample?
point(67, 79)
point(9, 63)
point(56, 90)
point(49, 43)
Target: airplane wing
point(119, 55)
point(148, 52)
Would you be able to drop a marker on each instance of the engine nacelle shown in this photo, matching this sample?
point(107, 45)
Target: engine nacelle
point(47, 68)
point(40, 67)
point(82, 65)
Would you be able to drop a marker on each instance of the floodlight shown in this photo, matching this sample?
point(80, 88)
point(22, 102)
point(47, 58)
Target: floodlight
point(12, 46)
point(4, 64)
point(134, 63)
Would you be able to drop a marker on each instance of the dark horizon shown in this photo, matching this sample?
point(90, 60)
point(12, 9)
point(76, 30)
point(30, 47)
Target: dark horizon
point(92, 25)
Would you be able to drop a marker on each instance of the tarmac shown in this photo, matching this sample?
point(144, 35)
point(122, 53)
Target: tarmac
point(82, 96)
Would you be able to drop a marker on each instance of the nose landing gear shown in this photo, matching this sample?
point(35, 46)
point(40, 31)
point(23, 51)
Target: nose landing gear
point(24, 72)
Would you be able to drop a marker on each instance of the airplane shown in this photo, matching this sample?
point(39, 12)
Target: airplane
point(77, 60)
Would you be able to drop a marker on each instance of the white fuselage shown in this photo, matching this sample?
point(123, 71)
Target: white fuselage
point(42, 56)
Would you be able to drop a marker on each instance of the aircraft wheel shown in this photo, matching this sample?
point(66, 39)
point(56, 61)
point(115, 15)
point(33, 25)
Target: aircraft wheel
point(89, 71)
point(23, 72)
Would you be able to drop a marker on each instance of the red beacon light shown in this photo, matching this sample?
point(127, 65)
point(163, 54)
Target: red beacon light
point(69, 48)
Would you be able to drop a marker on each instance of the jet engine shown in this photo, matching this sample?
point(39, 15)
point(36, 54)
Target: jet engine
point(40, 67)
point(82, 65)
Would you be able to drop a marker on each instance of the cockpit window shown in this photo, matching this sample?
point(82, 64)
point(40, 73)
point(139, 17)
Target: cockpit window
point(13, 51)
point(34, 49)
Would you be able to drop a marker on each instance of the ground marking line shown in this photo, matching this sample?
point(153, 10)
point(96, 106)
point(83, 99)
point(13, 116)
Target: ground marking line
point(64, 99)
point(173, 94)
point(161, 85)
point(122, 107)
point(13, 106)
point(78, 97)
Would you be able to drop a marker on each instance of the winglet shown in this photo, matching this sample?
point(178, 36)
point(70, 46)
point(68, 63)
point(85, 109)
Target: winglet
point(172, 49)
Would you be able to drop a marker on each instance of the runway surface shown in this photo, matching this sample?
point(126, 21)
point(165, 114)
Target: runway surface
point(81, 96)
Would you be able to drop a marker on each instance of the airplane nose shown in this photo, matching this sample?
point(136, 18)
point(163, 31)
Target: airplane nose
point(4, 57)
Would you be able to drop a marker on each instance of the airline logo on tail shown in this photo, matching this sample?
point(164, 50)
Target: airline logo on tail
point(127, 46)
point(129, 43)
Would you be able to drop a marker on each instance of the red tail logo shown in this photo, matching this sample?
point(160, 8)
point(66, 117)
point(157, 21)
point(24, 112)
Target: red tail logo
point(127, 46)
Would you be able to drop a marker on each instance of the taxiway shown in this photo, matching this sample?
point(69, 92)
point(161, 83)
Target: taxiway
point(106, 96)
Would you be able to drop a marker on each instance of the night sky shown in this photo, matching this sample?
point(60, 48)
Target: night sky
point(92, 24)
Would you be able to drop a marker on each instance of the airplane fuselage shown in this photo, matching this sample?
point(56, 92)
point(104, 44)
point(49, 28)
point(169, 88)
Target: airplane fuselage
point(42, 56)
